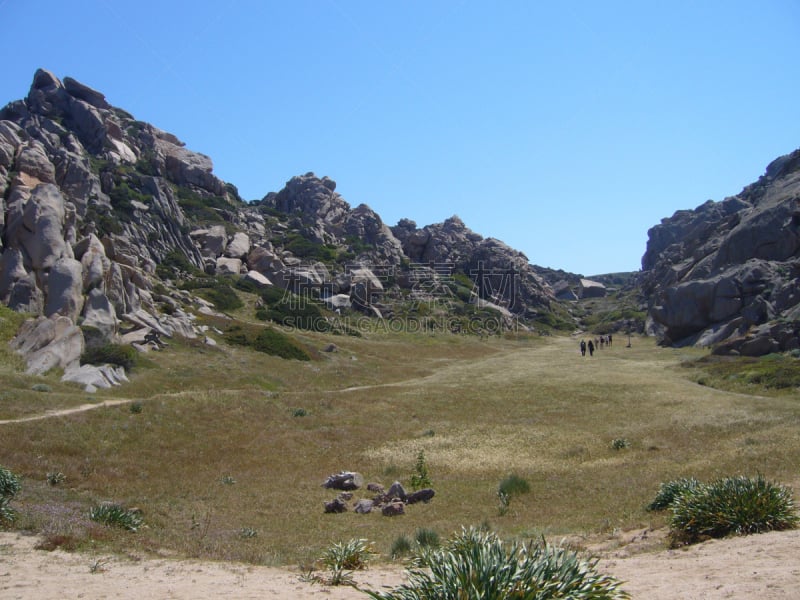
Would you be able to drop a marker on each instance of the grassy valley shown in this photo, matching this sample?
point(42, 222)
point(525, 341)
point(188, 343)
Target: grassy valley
point(224, 449)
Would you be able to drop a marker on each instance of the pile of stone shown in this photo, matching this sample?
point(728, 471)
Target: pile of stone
point(391, 502)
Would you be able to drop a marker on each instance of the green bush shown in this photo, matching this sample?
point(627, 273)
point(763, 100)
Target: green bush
point(223, 296)
point(476, 565)
point(514, 485)
point(117, 516)
point(279, 344)
point(421, 477)
point(113, 354)
point(670, 490)
point(733, 505)
point(9, 487)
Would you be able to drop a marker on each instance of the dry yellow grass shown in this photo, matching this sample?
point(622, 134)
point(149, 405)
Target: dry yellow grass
point(216, 448)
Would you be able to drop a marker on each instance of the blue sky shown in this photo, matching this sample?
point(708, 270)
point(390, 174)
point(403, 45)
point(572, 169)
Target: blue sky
point(566, 130)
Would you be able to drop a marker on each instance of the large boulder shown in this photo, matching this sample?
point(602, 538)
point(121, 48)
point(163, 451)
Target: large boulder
point(47, 343)
point(65, 289)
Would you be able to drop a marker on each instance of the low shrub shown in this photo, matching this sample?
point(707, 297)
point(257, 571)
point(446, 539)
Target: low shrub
point(9, 487)
point(514, 485)
point(477, 565)
point(110, 354)
point(276, 343)
point(421, 477)
point(620, 444)
point(733, 505)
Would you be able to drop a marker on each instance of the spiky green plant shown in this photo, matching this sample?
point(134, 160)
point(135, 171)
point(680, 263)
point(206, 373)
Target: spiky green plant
point(117, 516)
point(342, 558)
point(733, 505)
point(670, 490)
point(9, 487)
point(477, 565)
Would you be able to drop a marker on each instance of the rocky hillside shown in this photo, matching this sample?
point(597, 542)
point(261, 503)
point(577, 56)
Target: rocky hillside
point(726, 273)
point(104, 218)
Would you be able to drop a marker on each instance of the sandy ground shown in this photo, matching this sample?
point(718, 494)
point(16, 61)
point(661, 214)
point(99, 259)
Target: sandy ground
point(763, 566)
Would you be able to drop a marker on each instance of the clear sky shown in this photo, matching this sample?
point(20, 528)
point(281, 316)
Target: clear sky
point(565, 129)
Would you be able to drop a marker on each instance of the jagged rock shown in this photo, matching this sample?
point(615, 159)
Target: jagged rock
point(93, 377)
point(85, 93)
point(338, 302)
point(46, 343)
point(563, 291)
point(337, 505)
point(375, 487)
point(346, 480)
point(723, 273)
point(396, 490)
point(34, 166)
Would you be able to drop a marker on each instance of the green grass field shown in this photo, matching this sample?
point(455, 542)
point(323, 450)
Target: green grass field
point(222, 465)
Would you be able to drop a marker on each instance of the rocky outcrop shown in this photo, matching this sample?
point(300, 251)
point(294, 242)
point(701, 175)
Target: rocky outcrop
point(500, 274)
point(101, 215)
point(726, 273)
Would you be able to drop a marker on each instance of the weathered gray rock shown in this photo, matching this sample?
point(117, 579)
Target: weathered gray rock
point(345, 480)
point(239, 245)
point(364, 506)
point(41, 235)
point(337, 505)
point(424, 495)
point(47, 343)
point(94, 377)
point(99, 313)
point(228, 266)
point(258, 279)
point(591, 289)
point(393, 509)
point(65, 289)
point(396, 490)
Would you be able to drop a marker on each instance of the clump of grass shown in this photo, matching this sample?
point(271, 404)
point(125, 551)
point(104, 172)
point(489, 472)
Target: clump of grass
point(41, 387)
point(478, 565)
point(228, 480)
point(734, 505)
point(620, 444)
point(116, 515)
point(247, 533)
point(299, 412)
point(136, 408)
point(427, 538)
point(401, 546)
point(670, 490)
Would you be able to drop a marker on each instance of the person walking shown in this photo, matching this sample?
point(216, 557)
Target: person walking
point(583, 347)
point(591, 348)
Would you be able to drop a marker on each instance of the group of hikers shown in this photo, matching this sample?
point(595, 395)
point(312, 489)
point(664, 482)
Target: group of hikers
point(603, 340)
